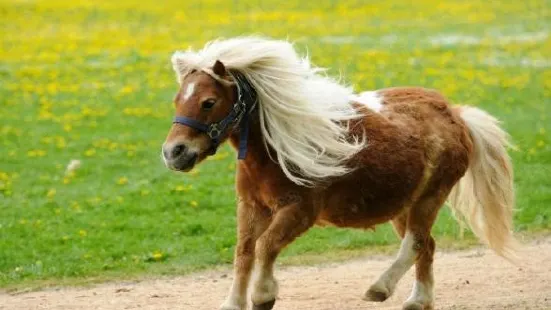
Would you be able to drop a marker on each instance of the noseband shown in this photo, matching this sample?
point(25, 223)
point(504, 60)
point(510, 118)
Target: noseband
point(245, 104)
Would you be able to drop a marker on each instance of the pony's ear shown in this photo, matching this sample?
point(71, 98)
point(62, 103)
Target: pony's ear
point(184, 62)
point(219, 68)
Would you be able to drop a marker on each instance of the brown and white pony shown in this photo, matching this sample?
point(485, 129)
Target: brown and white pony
point(314, 153)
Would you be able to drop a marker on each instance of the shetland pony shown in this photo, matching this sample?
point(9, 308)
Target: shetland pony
point(314, 153)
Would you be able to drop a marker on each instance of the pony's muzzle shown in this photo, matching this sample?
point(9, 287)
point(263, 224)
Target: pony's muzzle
point(178, 157)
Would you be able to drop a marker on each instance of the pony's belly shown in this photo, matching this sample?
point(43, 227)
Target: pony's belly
point(357, 214)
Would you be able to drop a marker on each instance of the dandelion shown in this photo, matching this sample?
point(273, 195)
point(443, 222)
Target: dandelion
point(126, 90)
point(157, 255)
point(75, 206)
point(122, 181)
point(183, 188)
point(90, 152)
point(36, 153)
point(51, 193)
point(67, 178)
point(60, 143)
point(194, 203)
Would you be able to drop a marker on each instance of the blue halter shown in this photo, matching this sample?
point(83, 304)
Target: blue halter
point(245, 104)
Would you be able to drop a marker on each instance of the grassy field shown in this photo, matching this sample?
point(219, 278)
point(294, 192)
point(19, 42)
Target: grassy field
point(91, 81)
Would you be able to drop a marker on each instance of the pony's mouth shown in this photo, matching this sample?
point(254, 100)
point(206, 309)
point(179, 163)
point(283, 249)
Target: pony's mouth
point(185, 164)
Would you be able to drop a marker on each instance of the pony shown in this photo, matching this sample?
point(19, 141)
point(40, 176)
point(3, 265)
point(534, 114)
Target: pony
point(313, 152)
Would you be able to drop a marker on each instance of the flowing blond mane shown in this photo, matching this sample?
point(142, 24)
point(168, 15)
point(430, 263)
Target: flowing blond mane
point(300, 109)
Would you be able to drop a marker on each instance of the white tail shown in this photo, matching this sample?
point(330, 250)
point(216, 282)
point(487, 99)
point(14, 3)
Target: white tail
point(484, 197)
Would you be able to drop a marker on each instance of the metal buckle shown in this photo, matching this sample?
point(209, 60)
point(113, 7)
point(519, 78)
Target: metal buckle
point(214, 131)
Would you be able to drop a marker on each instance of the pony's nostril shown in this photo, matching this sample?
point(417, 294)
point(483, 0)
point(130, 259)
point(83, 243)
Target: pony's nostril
point(178, 150)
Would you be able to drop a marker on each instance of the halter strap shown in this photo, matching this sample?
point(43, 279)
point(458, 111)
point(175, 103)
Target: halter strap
point(245, 104)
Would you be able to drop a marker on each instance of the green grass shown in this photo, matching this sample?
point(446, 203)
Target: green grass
point(92, 81)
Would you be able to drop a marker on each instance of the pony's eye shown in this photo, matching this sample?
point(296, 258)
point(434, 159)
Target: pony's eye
point(208, 104)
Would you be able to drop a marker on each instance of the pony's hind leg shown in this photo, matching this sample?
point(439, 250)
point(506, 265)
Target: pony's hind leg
point(417, 248)
point(252, 221)
point(385, 285)
point(288, 223)
point(420, 221)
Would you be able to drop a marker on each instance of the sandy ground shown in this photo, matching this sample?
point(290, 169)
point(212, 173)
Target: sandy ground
point(475, 279)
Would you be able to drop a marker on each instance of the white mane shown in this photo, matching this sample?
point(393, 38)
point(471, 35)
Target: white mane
point(299, 108)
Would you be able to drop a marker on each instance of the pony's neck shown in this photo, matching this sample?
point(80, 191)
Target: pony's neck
point(257, 155)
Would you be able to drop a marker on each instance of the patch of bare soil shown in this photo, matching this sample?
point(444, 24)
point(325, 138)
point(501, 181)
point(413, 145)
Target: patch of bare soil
point(475, 279)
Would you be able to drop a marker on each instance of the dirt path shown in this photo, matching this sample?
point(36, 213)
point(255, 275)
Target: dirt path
point(475, 279)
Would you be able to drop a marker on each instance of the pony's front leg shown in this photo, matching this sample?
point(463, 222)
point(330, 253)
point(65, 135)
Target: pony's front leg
point(252, 221)
point(288, 223)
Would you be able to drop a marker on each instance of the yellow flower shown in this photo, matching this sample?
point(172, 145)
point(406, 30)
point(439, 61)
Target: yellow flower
point(51, 193)
point(183, 188)
point(122, 181)
point(126, 90)
point(194, 203)
point(90, 152)
point(36, 153)
point(75, 206)
point(157, 255)
point(82, 233)
point(60, 143)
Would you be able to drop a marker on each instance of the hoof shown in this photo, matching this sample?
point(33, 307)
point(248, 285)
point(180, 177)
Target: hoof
point(265, 306)
point(375, 293)
point(231, 307)
point(412, 305)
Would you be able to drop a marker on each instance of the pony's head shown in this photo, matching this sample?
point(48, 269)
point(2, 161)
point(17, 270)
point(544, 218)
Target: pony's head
point(205, 97)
